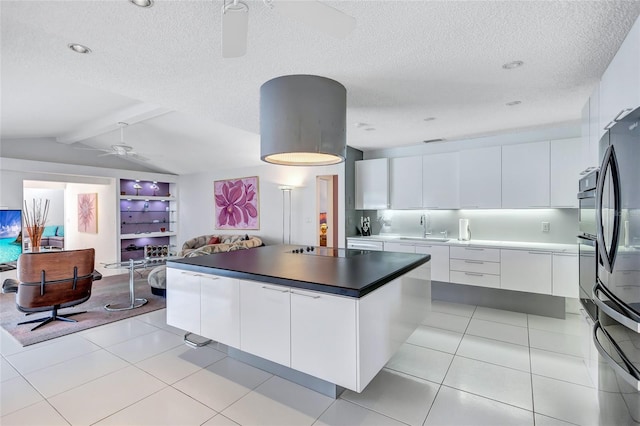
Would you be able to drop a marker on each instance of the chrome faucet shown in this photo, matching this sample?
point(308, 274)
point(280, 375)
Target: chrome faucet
point(445, 233)
point(425, 222)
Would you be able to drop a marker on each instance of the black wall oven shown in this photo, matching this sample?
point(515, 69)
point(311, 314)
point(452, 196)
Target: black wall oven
point(587, 241)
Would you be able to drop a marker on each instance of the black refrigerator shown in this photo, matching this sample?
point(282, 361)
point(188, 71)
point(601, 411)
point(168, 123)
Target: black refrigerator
point(616, 292)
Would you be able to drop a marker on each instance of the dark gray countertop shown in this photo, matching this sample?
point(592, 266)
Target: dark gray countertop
point(355, 273)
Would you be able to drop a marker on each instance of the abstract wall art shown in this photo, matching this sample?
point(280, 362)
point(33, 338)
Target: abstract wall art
point(88, 213)
point(237, 204)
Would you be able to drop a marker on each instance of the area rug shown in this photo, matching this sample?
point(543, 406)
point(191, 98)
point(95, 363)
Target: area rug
point(113, 289)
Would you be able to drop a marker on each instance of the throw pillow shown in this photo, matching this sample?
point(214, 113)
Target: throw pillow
point(60, 231)
point(214, 240)
point(49, 231)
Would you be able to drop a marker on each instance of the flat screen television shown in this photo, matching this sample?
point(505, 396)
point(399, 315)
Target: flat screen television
point(10, 235)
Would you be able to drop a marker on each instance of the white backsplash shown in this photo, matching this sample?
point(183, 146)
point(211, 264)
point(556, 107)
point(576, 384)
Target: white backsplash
point(493, 224)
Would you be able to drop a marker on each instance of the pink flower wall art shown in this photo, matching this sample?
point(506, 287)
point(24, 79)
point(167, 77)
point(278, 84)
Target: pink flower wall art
point(237, 203)
point(88, 213)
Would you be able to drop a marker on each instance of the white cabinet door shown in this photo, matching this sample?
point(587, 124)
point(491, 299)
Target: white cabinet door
point(565, 275)
point(525, 175)
point(323, 336)
point(565, 171)
point(406, 182)
point(439, 261)
point(620, 83)
point(358, 244)
point(372, 184)
point(480, 178)
point(585, 152)
point(400, 247)
point(595, 129)
point(183, 300)
point(528, 271)
point(440, 181)
point(220, 309)
point(265, 321)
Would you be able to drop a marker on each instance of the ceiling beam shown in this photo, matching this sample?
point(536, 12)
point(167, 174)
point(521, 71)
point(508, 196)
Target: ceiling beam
point(130, 115)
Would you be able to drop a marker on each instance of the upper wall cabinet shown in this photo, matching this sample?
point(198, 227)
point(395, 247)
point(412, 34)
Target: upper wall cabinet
point(440, 181)
point(406, 182)
point(372, 184)
point(565, 169)
point(620, 83)
point(525, 175)
point(480, 178)
point(591, 131)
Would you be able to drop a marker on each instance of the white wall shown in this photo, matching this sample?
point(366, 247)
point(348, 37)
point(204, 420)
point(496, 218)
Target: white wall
point(104, 242)
point(196, 202)
point(56, 202)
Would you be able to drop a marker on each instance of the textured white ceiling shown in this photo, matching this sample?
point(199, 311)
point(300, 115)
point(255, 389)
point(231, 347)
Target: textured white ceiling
point(405, 61)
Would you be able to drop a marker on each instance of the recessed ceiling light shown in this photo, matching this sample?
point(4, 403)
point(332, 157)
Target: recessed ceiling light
point(429, 119)
point(78, 48)
point(142, 3)
point(513, 103)
point(512, 65)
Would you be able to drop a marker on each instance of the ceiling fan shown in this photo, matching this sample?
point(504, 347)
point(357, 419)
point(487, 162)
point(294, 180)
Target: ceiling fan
point(121, 149)
point(314, 14)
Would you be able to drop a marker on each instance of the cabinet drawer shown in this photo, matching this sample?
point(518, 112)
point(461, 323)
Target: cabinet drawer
point(475, 253)
point(480, 266)
point(475, 278)
point(400, 247)
point(365, 245)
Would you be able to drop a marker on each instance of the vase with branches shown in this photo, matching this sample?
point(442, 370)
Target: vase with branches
point(35, 218)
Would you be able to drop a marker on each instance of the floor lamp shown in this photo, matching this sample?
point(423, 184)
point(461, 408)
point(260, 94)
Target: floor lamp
point(286, 209)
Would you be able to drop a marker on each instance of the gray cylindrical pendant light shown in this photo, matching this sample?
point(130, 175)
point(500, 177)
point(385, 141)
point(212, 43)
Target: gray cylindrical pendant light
point(303, 121)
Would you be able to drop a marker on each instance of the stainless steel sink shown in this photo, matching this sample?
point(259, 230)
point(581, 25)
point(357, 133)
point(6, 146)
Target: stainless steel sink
point(442, 240)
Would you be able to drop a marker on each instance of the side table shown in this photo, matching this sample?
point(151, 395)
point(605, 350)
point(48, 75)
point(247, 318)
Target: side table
point(131, 265)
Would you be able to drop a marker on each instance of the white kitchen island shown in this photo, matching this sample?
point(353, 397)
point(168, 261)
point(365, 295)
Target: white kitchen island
point(336, 318)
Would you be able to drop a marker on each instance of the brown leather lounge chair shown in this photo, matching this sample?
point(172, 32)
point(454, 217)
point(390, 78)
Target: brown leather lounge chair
point(48, 281)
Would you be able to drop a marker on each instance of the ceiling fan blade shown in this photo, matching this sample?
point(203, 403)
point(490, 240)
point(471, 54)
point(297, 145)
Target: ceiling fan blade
point(107, 153)
point(137, 157)
point(235, 27)
point(318, 16)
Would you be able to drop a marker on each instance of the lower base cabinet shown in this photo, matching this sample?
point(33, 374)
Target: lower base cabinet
point(323, 336)
point(204, 304)
point(265, 320)
point(565, 275)
point(526, 271)
point(183, 300)
point(342, 340)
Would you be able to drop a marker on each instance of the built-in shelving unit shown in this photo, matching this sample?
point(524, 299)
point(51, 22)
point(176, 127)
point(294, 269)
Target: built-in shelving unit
point(148, 219)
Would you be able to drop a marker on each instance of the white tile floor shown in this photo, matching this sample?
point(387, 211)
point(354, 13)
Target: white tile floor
point(466, 365)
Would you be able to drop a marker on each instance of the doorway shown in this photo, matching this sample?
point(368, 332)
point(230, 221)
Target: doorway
point(327, 210)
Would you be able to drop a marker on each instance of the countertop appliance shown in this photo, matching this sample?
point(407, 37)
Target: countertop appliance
point(616, 291)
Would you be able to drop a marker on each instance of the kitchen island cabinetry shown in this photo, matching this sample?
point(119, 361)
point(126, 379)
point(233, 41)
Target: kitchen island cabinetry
point(480, 178)
point(321, 344)
point(183, 302)
point(265, 321)
point(339, 319)
point(189, 305)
